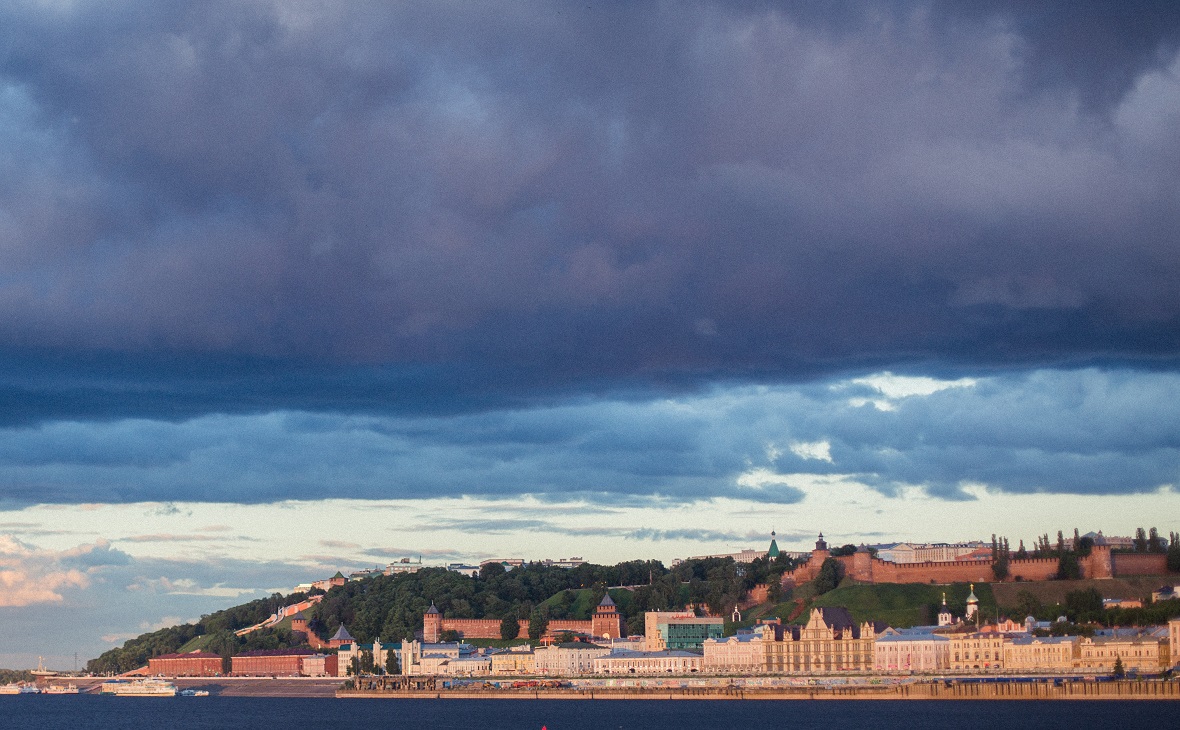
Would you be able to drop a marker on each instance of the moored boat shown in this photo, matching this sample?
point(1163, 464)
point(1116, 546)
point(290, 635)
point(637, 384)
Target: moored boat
point(62, 689)
point(139, 688)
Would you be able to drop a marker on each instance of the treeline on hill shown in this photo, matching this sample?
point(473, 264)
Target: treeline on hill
point(1083, 611)
point(218, 629)
point(391, 607)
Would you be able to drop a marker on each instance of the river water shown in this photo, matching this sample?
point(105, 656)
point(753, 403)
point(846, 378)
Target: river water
point(181, 713)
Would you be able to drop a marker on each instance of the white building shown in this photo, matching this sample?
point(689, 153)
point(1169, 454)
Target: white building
point(742, 653)
point(906, 652)
point(570, 659)
point(674, 662)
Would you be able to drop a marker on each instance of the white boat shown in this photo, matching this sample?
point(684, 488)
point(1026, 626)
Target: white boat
point(29, 689)
point(62, 689)
point(10, 689)
point(194, 693)
point(139, 688)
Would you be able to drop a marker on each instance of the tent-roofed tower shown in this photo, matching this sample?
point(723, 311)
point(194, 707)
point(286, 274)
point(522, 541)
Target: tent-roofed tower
point(773, 552)
point(606, 622)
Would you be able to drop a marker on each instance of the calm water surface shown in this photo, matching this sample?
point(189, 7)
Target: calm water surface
point(83, 711)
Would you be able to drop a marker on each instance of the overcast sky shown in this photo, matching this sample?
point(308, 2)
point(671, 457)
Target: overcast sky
point(290, 287)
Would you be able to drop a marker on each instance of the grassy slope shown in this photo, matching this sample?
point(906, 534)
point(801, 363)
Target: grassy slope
point(583, 605)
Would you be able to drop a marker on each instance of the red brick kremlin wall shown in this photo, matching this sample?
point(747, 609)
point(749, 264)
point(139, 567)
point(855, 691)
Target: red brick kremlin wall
point(1101, 563)
point(487, 628)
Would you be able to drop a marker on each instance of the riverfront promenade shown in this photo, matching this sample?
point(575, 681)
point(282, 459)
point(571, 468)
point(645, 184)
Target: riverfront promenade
point(1125, 690)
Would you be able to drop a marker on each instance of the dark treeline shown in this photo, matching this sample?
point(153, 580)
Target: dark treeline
point(391, 607)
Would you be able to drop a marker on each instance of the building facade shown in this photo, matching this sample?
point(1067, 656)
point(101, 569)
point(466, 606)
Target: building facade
point(977, 651)
point(571, 659)
point(192, 664)
point(649, 663)
point(830, 643)
point(680, 629)
point(917, 653)
point(742, 653)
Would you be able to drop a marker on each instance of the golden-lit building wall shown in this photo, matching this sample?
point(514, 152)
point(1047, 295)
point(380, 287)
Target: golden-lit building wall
point(513, 662)
point(737, 655)
point(1040, 654)
point(1140, 654)
point(977, 651)
point(820, 649)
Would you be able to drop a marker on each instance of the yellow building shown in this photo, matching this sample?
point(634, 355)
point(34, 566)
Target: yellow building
point(1039, 653)
point(1139, 653)
point(976, 651)
point(513, 662)
point(831, 642)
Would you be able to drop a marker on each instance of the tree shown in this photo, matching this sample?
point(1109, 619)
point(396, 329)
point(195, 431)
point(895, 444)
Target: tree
point(1118, 672)
point(1021, 553)
point(1155, 544)
point(391, 663)
point(829, 576)
point(1000, 568)
point(1084, 605)
point(1027, 604)
point(449, 635)
point(354, 666)
point(1174, 556)
point(1140, 540)
point(1068, 567)
point(509, 628)
point(367, 665)
point(490, 570)
point(538, 623)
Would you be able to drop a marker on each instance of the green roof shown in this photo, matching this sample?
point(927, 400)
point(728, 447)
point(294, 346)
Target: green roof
point(338, 574)
point(772, 553)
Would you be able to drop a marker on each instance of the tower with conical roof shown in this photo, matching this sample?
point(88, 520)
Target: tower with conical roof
point(606, 621)
point(772, 553)
point(340, 638)
point(431, 625)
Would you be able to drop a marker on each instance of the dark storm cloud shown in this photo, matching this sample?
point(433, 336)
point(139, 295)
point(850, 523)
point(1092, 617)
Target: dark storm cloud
point(431, 207)
point(1079, 432)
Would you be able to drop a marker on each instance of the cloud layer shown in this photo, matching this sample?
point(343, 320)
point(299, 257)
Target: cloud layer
point(1080, 432)
point(489, 202)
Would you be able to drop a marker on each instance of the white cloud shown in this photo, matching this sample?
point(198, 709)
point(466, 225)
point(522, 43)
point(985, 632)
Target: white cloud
point(820, 450)
point(897, 387)
point(30, 576)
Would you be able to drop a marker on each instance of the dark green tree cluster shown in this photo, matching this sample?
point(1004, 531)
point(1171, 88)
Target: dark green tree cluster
point(1001, 556)
point(831, 572)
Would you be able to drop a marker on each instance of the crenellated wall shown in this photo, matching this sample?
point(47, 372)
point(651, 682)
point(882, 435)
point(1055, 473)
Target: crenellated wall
point(861, 566)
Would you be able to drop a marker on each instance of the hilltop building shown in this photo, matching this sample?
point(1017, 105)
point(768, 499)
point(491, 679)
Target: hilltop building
point(680, 629)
